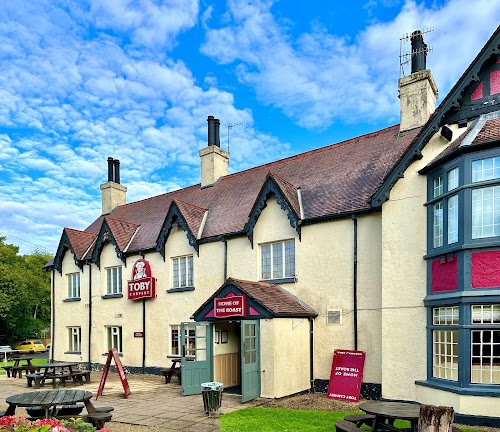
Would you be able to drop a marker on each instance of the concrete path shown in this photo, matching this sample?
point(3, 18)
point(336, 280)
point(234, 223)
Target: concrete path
point(152, 402)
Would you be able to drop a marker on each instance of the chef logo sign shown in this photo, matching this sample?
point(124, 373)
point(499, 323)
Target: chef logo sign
point(229, 306)
point(142, 284)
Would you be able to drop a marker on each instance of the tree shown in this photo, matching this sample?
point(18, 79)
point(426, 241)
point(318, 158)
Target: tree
point(24, 294)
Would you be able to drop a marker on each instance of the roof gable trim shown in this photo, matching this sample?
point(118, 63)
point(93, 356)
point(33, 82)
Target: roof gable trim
point(64, 245)
point(106, 235)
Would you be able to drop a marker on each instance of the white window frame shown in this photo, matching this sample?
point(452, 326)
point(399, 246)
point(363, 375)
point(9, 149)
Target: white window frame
point(115, 338)
point(114, 284)
point(176, 328)
point(183, 271)
point(288, 269)
point(445, 343)
point(75, 339)
point(73, 285)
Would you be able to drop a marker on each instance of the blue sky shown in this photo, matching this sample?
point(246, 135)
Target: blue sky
point(136, 80)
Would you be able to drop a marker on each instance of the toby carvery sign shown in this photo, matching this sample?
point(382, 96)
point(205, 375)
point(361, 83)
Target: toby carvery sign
point(229, 306)
point(346, 375)
point(142, 284)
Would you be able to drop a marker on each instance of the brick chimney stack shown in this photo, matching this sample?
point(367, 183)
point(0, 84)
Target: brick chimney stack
point(417, 92)
point(113, 193)
point(214, 160)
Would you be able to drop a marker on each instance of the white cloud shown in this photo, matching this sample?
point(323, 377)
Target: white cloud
point(303, 76)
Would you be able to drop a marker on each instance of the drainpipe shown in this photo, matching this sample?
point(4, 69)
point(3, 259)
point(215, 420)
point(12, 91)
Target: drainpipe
point(90, 314)
point(355, 282)
point(311, 352)
point(53, 314)
point(143, 335)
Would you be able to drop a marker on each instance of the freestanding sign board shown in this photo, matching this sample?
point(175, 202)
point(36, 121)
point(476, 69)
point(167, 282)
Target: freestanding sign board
point(113, 354)
point(142, 284)
point(346, 375)
point(230, 306)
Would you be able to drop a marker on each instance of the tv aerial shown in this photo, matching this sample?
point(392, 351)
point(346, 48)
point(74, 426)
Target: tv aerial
point(229, 127)
point(405, 57)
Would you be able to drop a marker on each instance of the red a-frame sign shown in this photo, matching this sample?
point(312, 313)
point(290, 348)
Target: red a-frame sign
point(119, 368)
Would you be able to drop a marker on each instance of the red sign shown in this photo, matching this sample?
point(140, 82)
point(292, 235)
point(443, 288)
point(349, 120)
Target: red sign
point(346, 375)
point(142, 284)
point(138, 334)
point(230, 306)
point(119, 369)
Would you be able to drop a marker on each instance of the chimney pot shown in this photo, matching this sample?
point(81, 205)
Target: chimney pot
point(116, 163)
point(418, 52)
point(211, 130)
point(217, 132)
point(110, 169)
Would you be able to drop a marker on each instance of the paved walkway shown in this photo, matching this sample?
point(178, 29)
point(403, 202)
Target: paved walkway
point(152, 402)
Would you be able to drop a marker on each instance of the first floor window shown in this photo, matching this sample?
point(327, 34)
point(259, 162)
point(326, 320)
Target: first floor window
point(278, 260)
point(115, 338)
point(486, 212)
point(438, 224)
point(75, 339)
point(182, 271)
point(74, 285)
point(174, 340)
point(114, 277)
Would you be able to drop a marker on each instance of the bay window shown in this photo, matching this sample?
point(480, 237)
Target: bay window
point(445, 343)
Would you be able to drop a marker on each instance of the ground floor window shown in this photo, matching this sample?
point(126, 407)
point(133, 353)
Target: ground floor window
point(115, 338)
point(174, 340)
point(478, 328)
point(75, 339)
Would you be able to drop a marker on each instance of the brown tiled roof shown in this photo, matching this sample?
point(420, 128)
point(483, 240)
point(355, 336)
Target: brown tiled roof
point(289, 191)
point(335, 180)
point(274, 298)
point(489, 132)
point(122, 231)
point(192, 214)
point(80, 241)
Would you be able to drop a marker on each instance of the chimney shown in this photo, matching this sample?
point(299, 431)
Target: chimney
point(417, 92)
point(113, 193)
point(214, 160)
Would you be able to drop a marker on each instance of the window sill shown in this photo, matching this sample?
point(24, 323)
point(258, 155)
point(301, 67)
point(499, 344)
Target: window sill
point(72, 299)
point(108, 296)
point(281, 280)
point(181, 289)
point(454, 387)
point(73, 352)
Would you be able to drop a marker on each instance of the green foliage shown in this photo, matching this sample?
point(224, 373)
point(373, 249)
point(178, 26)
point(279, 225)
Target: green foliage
point(24, 294)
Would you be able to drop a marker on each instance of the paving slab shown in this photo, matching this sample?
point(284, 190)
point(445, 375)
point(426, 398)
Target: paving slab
point(151, 403)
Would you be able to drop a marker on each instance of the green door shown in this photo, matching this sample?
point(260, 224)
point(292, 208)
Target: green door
point(250, 360)
point(196, 359)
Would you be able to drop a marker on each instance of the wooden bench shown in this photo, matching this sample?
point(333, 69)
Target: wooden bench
point(104, 409)
point(174, 370)
point(20, 369)
point(8, 369)
point(79, 375)
point(98, 419)
point(346, 426)
point(36, 378)
point(70, 410)
point(360, 419)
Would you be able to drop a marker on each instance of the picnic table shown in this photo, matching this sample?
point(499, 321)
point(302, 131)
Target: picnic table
point(49, 399)
point(59, 371)
point(18, 367)
point(175, 369)
point(386, 412)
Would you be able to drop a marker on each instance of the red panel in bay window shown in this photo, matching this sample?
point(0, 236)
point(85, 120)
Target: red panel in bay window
point(444, 274)
point(478, 93)
point(494, 82)
point(486, 269)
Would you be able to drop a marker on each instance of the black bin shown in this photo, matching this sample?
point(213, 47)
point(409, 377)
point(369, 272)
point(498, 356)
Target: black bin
point(212, 397)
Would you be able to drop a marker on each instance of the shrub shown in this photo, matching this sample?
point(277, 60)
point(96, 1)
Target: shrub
point(21, 424)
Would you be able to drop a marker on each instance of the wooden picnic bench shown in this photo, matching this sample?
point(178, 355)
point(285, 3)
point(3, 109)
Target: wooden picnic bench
point(173, 370)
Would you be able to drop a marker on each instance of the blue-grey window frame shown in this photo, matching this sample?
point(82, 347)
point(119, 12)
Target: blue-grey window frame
point(465, 296)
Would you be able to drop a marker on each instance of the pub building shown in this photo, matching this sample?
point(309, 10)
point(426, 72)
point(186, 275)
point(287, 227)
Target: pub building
point(387, 243)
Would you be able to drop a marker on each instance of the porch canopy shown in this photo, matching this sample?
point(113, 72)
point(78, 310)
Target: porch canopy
point(242, 299)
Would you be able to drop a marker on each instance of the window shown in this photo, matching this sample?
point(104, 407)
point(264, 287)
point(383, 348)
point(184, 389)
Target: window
point(445, 343)
point(278, 260)
point(75, 339)
point(115, 338)
point(447, 208)
point(485, 345)
point(174, 340)
point(182, 271)
point(114, 275)
point(74, 285)
point(334, 317)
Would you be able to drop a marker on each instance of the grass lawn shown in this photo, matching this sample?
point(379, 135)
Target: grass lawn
point(34, 362)
point(287, 420)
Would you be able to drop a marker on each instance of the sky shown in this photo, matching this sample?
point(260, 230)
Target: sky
point(81, 81)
